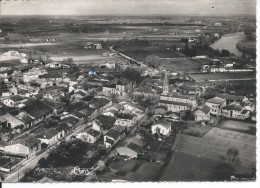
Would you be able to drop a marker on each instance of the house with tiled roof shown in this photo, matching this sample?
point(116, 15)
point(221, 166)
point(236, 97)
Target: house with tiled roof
point(38, 110)
point(120, 87)
point(202, 113)
point(114, 135)
point(27, 147)
point(4, 93)
point(57, 107)
point(91, 136)
point(133, 108)
point(78, 95)
point(125, 119)
point(233, 98)
point(174, 106)
point(51, 136)
point(72, 120)
point(100, 104)
point(14, 101)
point(130, 149)
point(22, 116)
point(176, 102)
point(147, 92)
point(103, 123)
point(216, 104)
point(236, 111)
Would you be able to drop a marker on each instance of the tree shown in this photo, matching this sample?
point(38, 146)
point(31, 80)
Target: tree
point(182, 115)
point(225, 53)
point(153, 61)
point(42, 163)
point(233, 157)
point(133, 74)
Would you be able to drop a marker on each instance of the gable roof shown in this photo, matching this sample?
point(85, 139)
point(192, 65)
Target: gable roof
point(31, 142)
point(37, 109)
point(163, 123)
point(112, 133)
point(216, 100)
point(231, 97)
point(174, 103)
point(233, 106)
point(133, 146)
point(99, 102)
point(53, 104)
point(93, 132)
point(16, 98)
point(205, 109)
point(125, 116)
point(71, 120)
point(105, 121)
point(48, 134)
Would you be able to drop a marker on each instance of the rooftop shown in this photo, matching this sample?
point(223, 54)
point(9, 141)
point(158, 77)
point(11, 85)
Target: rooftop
point(16, 98)
point(174, 103)
point(105, 121)
point(48, 134)
point(112, 133)
point(233, 106)
point(124, 116)
point(205, 109)
point(93, 132)
point(37, 109)
point(231, 97)
point(71, 120)
point(53, 104)
point(163, 123)
point(216, 100)
point(99, 102)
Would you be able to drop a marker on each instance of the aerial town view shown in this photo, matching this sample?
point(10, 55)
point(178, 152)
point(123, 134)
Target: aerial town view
point(128, 98)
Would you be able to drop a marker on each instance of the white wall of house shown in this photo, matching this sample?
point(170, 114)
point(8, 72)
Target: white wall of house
point(162, 129)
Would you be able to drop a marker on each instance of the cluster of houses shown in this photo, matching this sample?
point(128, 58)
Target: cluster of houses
point(112, 124)
point(172, 104)
point(30, 98)
point(223, 65)
point(92, 45)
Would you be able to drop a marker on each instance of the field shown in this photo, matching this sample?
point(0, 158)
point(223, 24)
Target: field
point(197, 130)
point(198, 159)
point(60, 51)
point(238, 126)
point(186, 167)
point(181, 64)
point(141, 52)
point(132, 170)
point(223, 76)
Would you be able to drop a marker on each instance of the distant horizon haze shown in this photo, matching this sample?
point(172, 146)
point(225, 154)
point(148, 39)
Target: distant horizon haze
point(128, 7)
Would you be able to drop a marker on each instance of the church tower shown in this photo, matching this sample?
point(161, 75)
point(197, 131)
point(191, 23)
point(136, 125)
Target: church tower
point(166, 84)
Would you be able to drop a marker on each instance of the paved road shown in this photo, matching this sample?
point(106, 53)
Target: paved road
point(31, 163)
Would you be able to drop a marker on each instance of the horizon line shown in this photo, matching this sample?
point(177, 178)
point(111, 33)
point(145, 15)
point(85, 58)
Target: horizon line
point(127, 14)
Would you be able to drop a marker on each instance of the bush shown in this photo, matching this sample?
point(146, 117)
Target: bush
point(42, 163)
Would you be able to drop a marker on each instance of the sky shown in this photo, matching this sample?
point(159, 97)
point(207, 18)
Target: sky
point(126, 7)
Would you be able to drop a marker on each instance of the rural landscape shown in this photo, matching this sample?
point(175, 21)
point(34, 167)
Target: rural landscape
point(129, 98)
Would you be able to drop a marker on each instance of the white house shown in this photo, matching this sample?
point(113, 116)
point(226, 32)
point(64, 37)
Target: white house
point(216, 104)
point(162, 127)
point(91, 136)
point(202, 114)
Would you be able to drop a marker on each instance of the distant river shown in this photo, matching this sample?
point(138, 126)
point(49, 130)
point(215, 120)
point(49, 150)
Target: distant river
point(229, 42)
